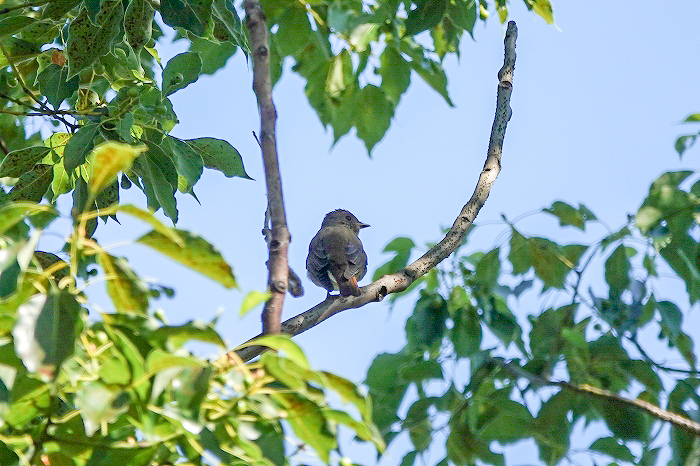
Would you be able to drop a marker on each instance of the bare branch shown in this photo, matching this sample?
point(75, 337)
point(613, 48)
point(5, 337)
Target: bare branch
point(399, 281)
point(279, 234)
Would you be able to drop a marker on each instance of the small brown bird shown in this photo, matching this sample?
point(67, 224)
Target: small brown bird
point(336, 259)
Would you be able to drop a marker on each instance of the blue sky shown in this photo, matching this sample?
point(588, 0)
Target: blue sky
point(596, 106)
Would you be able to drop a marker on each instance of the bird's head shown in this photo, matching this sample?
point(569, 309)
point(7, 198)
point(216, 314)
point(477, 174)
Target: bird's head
point(343, 217)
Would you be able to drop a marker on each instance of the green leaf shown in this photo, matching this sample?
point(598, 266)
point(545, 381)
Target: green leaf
point(463, 14)
point(99, 404)
point(214, 56)
point(430, 70)
point(617, 270)
point(178, 335)
point(32, 185)
point(625, 422)
point(159, 360)
point(12, 24)
point(364, 430)
point(426, 15)
point(159, 177)
point(252, 300)
point(13, 213)
point(79, 146)
point(193, 15)
point(568, 216)
point(18, 162)
point(181, 71)
point(138, 20)
point(148, 217)
point(189, 162)
point(45, 331)
point(487, 270)
point(281, 343)
point(294, 27)
point(219, 155)
point(55, 9)
point(395, 73)
point(55, 85)
point(87, 40)
point(127, 291)
point(671, 317)
point(309, 424)
point(426, 327)
point(196, 254)
point(225, 12)
point(108, 159)
point(403, 247)
point(544, 9)
point(373, 115)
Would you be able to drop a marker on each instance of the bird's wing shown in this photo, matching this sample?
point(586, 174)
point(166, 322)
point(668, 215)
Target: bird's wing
point(318, 262)
point(357, 260)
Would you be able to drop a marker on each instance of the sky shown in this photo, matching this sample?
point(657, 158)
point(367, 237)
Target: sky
point(597, 102)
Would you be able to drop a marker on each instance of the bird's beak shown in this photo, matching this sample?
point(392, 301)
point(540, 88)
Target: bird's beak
point(364, 225)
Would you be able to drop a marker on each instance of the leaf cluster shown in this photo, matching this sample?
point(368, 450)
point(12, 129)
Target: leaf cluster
point(482, 370)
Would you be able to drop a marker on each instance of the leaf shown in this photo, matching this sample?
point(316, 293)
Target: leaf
point(12, 24)
point(45, 332)
point(157, 225)
point(159, 360)
point(568, 216)
point(196, 254)
point(138, 20)
point(177, 335)
point(225, 12)
point(214, 56)
point(33, 184)
point(253, 300)
point(544, 9)
point(426, 15)
point(283, 343)
point(18, 162)
point(127, 291)
point(671, 317)
point(181, 71)
point(430, 70)
point(13, 213)
point(193, 15)
point(426, 327)
point(79, 146)
point(108, 159)
point(395, 73)
point(159, 177)
point(463, 14)
point(364, 430)
point(617, 269)
point(219, 155)
point(487, 270)
point(55, 85)
point(88, 41)
point(98, 404)
point(373, 115)
point(55, 9)
point(308, 422)
point(294, 27)
point(189, 162)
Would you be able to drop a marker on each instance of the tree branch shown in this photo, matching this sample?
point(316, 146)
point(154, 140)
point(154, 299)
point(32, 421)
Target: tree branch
point(399, 281)
point(590, 391)
point(279, 242)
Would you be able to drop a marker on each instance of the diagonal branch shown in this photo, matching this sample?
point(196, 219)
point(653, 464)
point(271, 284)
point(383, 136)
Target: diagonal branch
point(401, 280)
point(279, 234)
point(590, 391)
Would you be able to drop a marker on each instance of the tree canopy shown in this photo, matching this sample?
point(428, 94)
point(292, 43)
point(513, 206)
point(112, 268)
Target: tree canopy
point(123, 385)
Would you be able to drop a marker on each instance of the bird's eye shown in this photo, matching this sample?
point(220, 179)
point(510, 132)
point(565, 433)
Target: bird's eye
point(348, 218)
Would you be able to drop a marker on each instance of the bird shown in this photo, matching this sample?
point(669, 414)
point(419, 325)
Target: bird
point(336, 259)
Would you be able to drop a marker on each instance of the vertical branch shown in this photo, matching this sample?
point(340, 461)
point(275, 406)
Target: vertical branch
point(279, 236)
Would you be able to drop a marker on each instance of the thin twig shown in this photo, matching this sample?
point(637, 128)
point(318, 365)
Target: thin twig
point(401, 280)
point(23, 84)
point(606, 395)
point(279, 234)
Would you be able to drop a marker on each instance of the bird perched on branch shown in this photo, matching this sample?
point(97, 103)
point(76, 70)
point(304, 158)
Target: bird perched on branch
point(336, 259)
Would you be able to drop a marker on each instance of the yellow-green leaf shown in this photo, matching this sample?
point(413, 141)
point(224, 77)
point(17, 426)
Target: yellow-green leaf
point(123, 286)
point(12, 214)
point(107, 160)
point(281, 342)
point(253, 300)
point(148, 217)
point(196, 253)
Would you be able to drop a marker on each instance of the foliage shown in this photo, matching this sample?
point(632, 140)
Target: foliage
point(486, 379)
